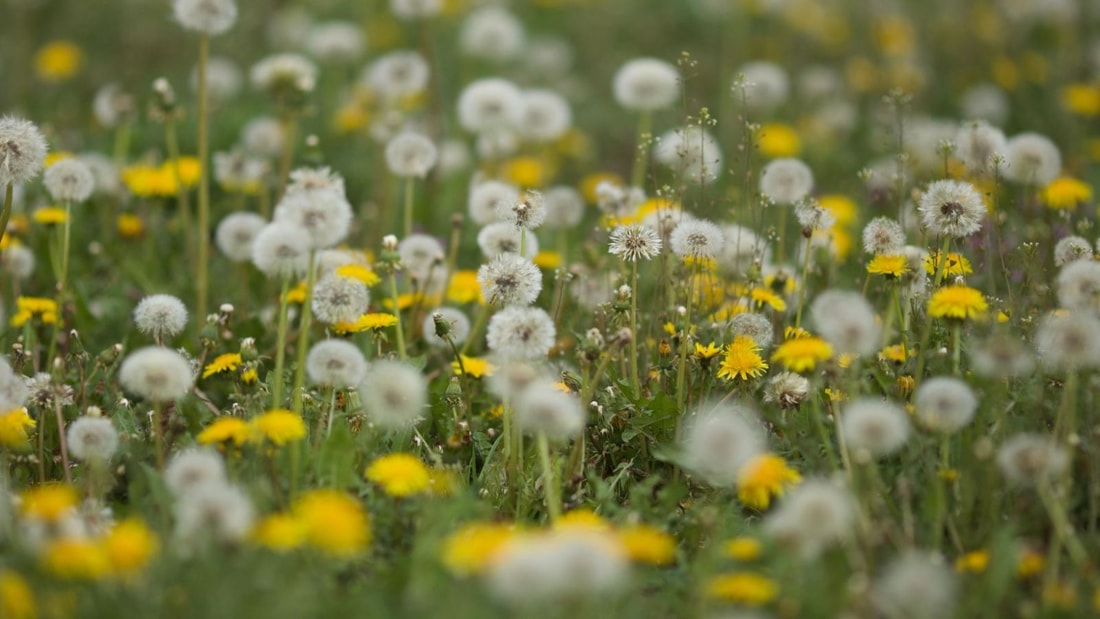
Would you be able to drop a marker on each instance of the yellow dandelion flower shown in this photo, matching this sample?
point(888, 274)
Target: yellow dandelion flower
point(842, 207)
point(30, 307)
point(49, 502)
point(58, 61)
point(743, 549)
point(974, 562)
point(727, 311)
point(334, 522)
point(277, 426)
point(582, 519)
point(890, 266)
point(589, 183)
point(76, 559)
point(464, 288)
point(250, 376)
point(547, 259)
point(742, 588)
point(224, 430)
point(280, 532)
point(957, 264)
point(400, 474)
point(129, 547)
point(957, 303)
point(1030, 563)
point(475, 366)
point(1081, 99)
point(16, 597)
point(794, 333)
point(188, 168)
point(764, 477)
point(359, 272)
point(766, 296)
point(54, 157)
point(227, 362)
point(443, 481)
point(778, 140)
point(49, 216)
point(1066, 193)
point(297, 294)
point(375, 321)
point(648, 545)
point(471, 548)
point(526, 172)
point(351, 117)
point(742, 360)
point(802, 354)
point(408, 299)
point(14, 426)
point(706, 353)
point(130, 226)
point(896, 353)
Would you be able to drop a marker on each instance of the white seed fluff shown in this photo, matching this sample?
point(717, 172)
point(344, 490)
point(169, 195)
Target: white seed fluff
point(336, 363)
point(161, 316)
point(813, 516)
point(646, 84)
point(517, 332)
point(945, 404)
point(915, 585)
point(786, 181)
point(698, 238)
point(281, 250)
point(22, 151)
point(206, 16)
point(1028, 459)
point(339, 299)
point(847, 321)
point(1071, 249)
point(411, 154)
point(69, 180)
point(193, 468)
point(92, 439)
point(1079, 285)
point(543, 408)
point(1032, 159)
point(951, 208)
point(490, 105)
point(393, 394)
point(719, 440)
point(876, 427)
point(156, 373)
point(509, 279)
point(502, 237)
point(236, 233)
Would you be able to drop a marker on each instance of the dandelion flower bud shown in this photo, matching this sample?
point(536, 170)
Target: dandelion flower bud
point(952, 208)
point(718, 442)
point(813, 516)
point(156, 373)
point(339, 299)
point(160, 316)
point(389, 243)
point(411, 154)
point(397, 75)
point(915, 585)
point(206, 16)
point(696, 239)
point(69, 180)
point(488, 198)
point(877, 427)
point(633, 242)
point(1071, 249)
point(491, 33)
point(502, 237)
point(1068, 342)
point(236, 233)
point(92, 439)
point(977, 145)
point(336, 363)
point(394, 395)
point(1029, 459)
point(786, 390)
point(764, 85)
point(945, 404)
point(543, 408)
point(1079, 285)
point(1033, 159)
point(546, 116)
point(521, 333)
point(281, 250)
point(786, 181)
point(646, 84)
point(883, 236)
point(490, 104)
point(193, 468)
point(446, 321)
point(847, 321)
point(22, 151)
point(510, 279)
point(219, 511)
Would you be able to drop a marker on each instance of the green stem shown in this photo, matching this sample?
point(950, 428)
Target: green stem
point(5, 215)
point(171, 144)
point(62, 441)
point(303, 336)
point(634, 376)
point(203, 259)
point(941, 492)
point(158, 433)
point(397, 316)
point(409, 191)
point(549, 481)
point(637, 173)
point(280, 346)
point(805, 281)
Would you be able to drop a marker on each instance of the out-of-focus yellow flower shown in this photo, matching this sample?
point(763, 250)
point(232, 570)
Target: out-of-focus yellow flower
point(225, 430)
point(742, 588)
point(547, 259)
point(49, 216)
point(280, 532)
point(400, 474)
point(842, 207)
point(16, 597)
point(464, 288)
point(129, 547)
point(335, 522)
point(1066, 193)
point(14, 426)
point(648, 544)
point(367, 322)
point(895, 35)
point(58, 61)
point(54, 157)
point(589, 183)
point(227, 362)
point(802, 354)
point(278, 427)
point(471, 548)
point(743, 549)
point(474, 366)
point(359, 272)
point(974, 562)
point(583, 519)
point(76, 559)
point(527, 172)
point(1081, 99)
point(778, 140)
point(130, 226)
point(764, 477)
point(49, 502)
point(957, 303)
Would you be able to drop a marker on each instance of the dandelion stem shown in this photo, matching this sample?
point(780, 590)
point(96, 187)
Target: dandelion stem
point(303, 336)
point(5, 215)
point(1065, 423)
point(941, 492)
point(280, 345)
point(805, 280)
point(62, 441)
point(637, 173)
point(203, 258)
point(409, 192)
point(549, 481)
point(634, 376)
point(1063, 529)
point(397, 316)
point(158, 432)
point(171, 144)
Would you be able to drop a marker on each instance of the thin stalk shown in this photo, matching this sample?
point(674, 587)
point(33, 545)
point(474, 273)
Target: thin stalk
point(171, 144)
point(941, 493)
point(805, 282)
point(549, 481)
point(409, 191)
point(62, 440)
point(397, 315)
point(158, 432)
point(203, 258)
point(280, 346)
point(5, 215)
point(634, 376)
point(681, 372)
point(637, 173)
point(303, 336)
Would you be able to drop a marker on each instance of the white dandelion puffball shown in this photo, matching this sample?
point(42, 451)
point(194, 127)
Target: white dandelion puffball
point(978, 144)
point(877, 427)
point(786, 181)
point(847, 321)
point(492, 33)
point(646, 84)
point(951, 208)
point(523, 333)
point(336, 363)
point(160, 315)
point(487, 197)
point(92, 439)
point(22, 151)
point(156, 373)
point(509, 279)
point(410, 154)
point(490, 105)
point(394, 394)
point(718, 441)
point(281, 250)
point(69, 180)
point(698, 238)
point(945, 404)
point(339, 299)
point(397, 75)
point(219, 511)
point(337, 41)
point(206, 16)
point(764, 85)
point(543, 408)
point(1032, 159)
point(193, 468)
point(546, 116)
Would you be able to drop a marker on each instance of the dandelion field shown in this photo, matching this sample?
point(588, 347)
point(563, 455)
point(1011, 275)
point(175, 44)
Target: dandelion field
point(586, 308)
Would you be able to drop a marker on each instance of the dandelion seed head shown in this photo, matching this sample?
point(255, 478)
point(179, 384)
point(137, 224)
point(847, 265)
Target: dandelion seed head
point(764, 85)
point(263, 136)
point(502, 237)
point(1068, 342)
point(13, 388)
point(490, 104)
point(915, 585)
point(977, 144)
point(22, 151)
point(985, 102)
point(397, 75)
point(646, 84)
point(945, 404)
point(546, 115)
point(156, 373)
point(92, 439)
point(692, 152)
point(543, 408)
point(219, 511)
point(69, 180)
point(409, 10)
point(339, 299)
point(517, 332)
point(394, 394)
point(1079, 285)
point(1071, 249)
point(786, 390)
point(193, 468)
point(509, 279)
point(697, 239)
point(236, 234)
point(492, 33)
point(411, 155)
point(951, 208)
point(877, 427)
point(419, 253)
point(161, 316)
point(755, 326)
point(336, 363)
point(336, 41)
point(813, 516)
point(564, 207)
point(1032, 159)
point(847, 321)
point(325, 216)
point(719, 440)
point(212, 17)
point(633, 242)
point(528, 212)
point(281, 250)
point(786, 181)
point(224, 79)
point(1029, 459)
point(883, 236)
point(488, 198)
point(1002, 357)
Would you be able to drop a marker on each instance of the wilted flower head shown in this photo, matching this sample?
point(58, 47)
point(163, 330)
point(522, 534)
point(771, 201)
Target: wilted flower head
point(1032, 159)
point(509, 279)
point(92, 439)
point(952, 208)
point(206, 16)
point(161, 316)
point(719, 440)
point(786, 181)
point(945, 404)
point(156, 373)
point(646, 84)
point(633, 242)
point(786, 390)
point(393, 394)
point(336, 363)
point(69, 180)
point(876, 427)
point(847, 320)
point(517, 332)
point(410, 154)
point(22, 151)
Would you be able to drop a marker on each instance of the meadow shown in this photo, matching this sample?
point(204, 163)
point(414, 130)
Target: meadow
point(558, 308)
